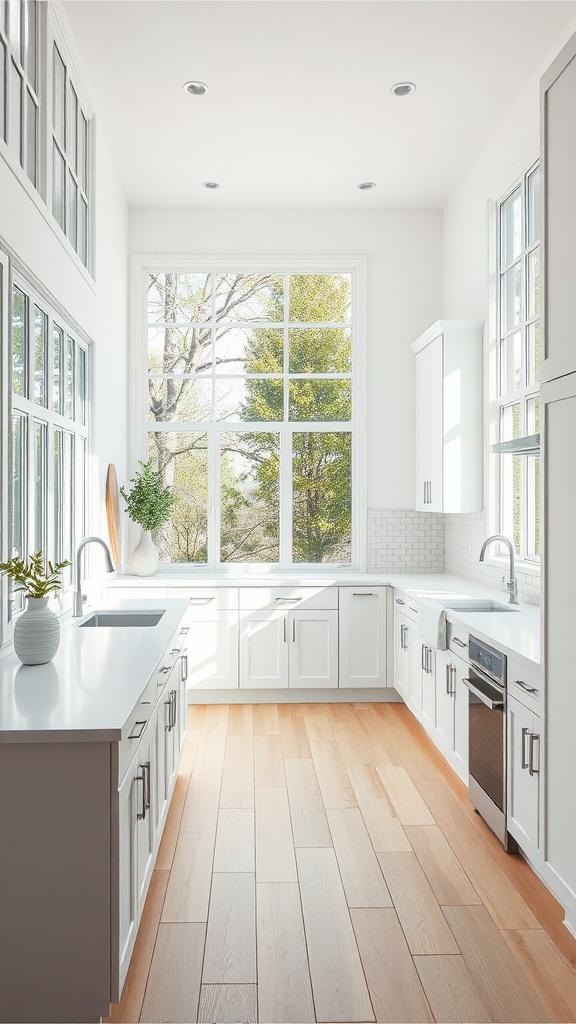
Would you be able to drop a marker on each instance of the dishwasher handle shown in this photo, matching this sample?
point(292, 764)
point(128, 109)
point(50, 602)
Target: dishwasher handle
point(492, 704)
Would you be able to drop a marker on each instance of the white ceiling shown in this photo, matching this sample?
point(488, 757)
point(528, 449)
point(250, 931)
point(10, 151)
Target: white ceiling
point(299, 110)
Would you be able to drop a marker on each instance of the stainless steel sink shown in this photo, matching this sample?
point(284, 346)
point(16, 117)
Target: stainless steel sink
point(123, 618)
point(473, 604)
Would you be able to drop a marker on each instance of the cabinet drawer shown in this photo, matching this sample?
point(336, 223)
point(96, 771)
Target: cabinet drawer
point(288, 598)
point(135, 592)
point(457, 638)
point(406, 605)
point(207, 597)
point(136, 727)
point(524, 683)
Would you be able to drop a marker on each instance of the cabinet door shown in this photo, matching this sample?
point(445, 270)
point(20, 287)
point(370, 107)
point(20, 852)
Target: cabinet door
point(313, 648)
point(415, 645)
point(444, 702)
point(127, 923)
point(459, 759)
point(362, 636)
point(264, 650)
point(213, 649)
point(523, 776)
point(436, 427)
point(423, 450)
point(160, 777)
point(144, 825)
point(428, 710)
point(181, 713)
point(401, 653)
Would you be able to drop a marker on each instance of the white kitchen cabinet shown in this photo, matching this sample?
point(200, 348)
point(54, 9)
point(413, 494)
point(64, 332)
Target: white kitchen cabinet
point(362, 636)
point(523, 777)
point(428, 685)
point(450, 729)
point(449, 475)
point(213, 649)
point(416, 656)
point(296, 649)
point(264, 650)
point(127, 901)
point(402, 627)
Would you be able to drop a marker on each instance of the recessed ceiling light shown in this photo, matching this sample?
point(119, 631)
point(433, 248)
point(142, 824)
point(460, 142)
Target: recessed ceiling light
point(365, 185)
point(402, 88)
point(210, 184)
point(195, 88)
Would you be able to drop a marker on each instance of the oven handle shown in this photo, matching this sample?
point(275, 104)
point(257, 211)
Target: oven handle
point(492, 704)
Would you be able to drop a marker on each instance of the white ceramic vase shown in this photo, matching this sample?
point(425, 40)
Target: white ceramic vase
point(36, 632)
point(145, 555)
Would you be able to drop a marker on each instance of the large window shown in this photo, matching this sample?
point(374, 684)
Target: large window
point(48, 432)
point(516, 408)
point(70, 157)
point(20, 82)
point(250, 414)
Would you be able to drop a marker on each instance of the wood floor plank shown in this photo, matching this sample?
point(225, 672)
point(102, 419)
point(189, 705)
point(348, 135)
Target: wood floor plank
point(169, 839)
point(450, 990)
point(240, 720)
point(317, 724)
point(189, 752)
point(505, 988)
point(268, 760)
point(384, 828)
point(338, 983)
point(404, 797)
point(496, 890)
point(361, 874)
point(200, 812)
point(422, 920)
point(230, 956)
point(553, 979)
point(397, 731)
point(130, 1006)
point(450, 884)
point(395, 989)
point(195, 715)
point(309, 821)
point(294, 736)
point(266, 722)
point(228, 1004)
point(275, 860)
point(212, 744)
point(238, 778)
point(188, 890)
point(173, 986)
point(284, 988)
point(333, 778)
point(235, 840)
point(350, 741)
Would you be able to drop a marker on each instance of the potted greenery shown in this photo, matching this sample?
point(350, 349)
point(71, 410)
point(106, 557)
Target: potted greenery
point(148, 503)
point(37, 629)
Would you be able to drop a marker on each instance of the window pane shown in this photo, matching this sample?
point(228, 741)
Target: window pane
point(2, 91)
point(83, 231)
point(179, 298)
point(81, 384)
point(58, 516)
point(510, 478)
point(14, 25)
point(69, 383)
point(18, 546)
point(31, 135)
point(40, 356)
point(182, 459)
point(80, 491)
point(59, 99)
point(19, 347)
point(533, 346)
point(316, 400)
point(511, 364)
point(511, 228)
point(249, 497)
point(322, 497)
point(534, 502)
point(58, 186)
point(40, 486)
point(72, 218)
point(250, 400)
point(511, 298)
point(83, 152)
point(72, 127)
point(31, 37)
point(317, 350)
point(533, 207)
point(15, 124)
point(249, 297)
point(534, 283)
point(320, 297)
point(179, 400)
point(180, 350)
point(58, 376)
point(533, 415)
point(68, 489)
point(248, 350)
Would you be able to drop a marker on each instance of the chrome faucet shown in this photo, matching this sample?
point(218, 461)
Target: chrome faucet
point(512, 583)
point(79, 597)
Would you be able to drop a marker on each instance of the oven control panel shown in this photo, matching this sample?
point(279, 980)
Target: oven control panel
point(489, 661)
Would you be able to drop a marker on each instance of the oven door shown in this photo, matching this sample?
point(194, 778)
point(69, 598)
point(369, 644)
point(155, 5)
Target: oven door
point(487, 735)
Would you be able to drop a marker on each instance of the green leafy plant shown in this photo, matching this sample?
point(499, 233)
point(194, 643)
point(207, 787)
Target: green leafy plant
point(148, 502)
point(35, 579)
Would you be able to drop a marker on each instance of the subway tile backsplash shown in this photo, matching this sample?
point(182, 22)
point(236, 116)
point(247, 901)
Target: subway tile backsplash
point(470, 529)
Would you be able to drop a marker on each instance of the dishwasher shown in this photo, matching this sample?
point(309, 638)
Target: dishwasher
point(486, 684)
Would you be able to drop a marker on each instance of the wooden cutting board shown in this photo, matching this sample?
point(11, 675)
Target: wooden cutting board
point(113, 515)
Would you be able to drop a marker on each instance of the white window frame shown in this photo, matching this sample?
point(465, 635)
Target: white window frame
point(141, 267)
point(36, 92)
point(525, 561)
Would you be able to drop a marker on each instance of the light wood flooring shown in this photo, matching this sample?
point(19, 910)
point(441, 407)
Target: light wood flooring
point(323, 863)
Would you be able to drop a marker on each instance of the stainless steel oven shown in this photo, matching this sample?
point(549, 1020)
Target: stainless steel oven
point(486, 684)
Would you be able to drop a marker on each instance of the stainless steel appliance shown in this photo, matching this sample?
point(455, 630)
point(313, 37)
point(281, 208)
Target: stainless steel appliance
point(486, 684)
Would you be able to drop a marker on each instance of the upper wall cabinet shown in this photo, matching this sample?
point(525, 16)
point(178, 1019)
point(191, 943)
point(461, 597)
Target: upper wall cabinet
point(558, 89)
point(449, 417)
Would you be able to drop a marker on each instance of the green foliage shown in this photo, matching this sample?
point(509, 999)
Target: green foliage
point(148, 502)
point(35, 579)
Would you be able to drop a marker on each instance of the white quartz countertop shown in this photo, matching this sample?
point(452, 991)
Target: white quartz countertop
point(90, 688)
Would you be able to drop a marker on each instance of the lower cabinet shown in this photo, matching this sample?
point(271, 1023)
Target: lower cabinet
point(450, 727)
point(523, 777)
point(402, 628)
point(213, 649)
point(280, 649)
point(362, 636)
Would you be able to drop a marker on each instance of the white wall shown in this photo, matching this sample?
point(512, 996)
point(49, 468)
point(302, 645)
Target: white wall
point(404, 256)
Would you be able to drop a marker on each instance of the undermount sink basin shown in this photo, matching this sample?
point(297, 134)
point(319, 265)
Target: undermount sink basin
point(476, 605)
point(123, 618)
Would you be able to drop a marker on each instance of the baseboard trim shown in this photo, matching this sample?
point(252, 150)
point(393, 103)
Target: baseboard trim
point(372, 695)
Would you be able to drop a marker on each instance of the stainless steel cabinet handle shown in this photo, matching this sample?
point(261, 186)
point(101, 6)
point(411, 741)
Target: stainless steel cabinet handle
point(492, 704)
point(164, 670)
point(423, 658)
point(141, 814)
point(455, 640)
point(284, 621)
point(171, 702)
point(293, 631)
point(401, 636)
point(429, 661)
point(185, 629)
point(289, 600)
point(448, 667)
point(429, 492)
point(524, 759)
point(184, 668)
point(201, 600)
point(424, 498)
point(146, 767)
point(413, 609)
point(136, 735)
point(533, 738)
point(175, 651)
point(400, 601)
point(364, 593)
point(525, 686)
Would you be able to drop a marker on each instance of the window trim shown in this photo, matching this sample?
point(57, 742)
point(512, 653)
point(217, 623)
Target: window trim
point(6, 628)
point(141, 266)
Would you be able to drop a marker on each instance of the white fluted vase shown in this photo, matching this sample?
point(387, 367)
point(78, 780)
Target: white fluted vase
point(145, 555)
point(36, 632)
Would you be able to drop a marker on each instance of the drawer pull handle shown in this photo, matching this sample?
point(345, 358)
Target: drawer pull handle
point(185, 629)
point(400, 601)
point(175, 651)
point(164, 670)
point(136, 735)
point(201, 600)
point(364, 593)
point(525, 686)
point(184, 668)
point(533, 738)
point(457, 641)
point(413, 609)
point(285, 600)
